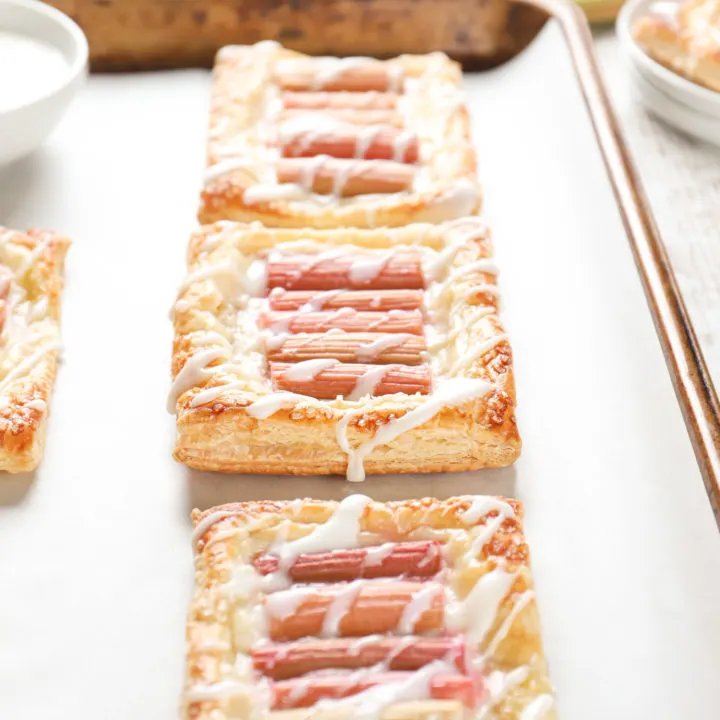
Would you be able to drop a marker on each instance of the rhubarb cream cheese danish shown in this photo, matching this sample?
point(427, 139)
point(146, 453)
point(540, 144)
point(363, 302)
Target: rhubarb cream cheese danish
point(684, 37)
point(31, 279)
point(324, 142)
point(342, 351)
point(412, 610)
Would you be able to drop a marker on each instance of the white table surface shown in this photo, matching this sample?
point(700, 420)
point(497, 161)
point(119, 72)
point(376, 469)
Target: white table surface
point(95, 565)
point(682, 178)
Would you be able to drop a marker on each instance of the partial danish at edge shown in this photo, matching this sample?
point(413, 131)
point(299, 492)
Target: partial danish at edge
point(32, 265)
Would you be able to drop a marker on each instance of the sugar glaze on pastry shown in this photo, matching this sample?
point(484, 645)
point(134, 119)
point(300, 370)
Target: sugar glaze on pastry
point(456, 373)
point(283, 597)
point(31, 278)
point(297, 141)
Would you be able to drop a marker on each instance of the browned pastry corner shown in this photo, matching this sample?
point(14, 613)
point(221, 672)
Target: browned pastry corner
point(31, 279)
point(686, 41)
point(144, 34)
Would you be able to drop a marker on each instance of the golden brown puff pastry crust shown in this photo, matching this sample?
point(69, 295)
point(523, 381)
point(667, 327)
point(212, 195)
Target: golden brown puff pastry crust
point(228, 418)
point(31, 279)
point(487, 573)
point(244, 93)
point(687, 41)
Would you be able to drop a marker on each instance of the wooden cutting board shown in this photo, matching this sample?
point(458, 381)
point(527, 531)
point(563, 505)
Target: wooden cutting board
point(146, 34)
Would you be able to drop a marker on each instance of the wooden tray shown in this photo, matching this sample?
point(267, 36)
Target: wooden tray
point(149, 34)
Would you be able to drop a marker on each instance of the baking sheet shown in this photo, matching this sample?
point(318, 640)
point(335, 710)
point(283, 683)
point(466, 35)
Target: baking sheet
point(95, 562)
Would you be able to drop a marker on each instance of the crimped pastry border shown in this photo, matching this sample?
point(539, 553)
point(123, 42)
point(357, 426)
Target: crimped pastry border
point(679, 47)
point(229, 535)
point(220, 434)
point(240, 76)
point(36, 258)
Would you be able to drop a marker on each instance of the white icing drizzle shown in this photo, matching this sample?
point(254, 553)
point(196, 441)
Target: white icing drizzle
point(350, 170)
point(420, 602)
point(475, 352)
point(461, 199)
point(261, 193)
point(219, 690)
point(227, 166)
point(275, 339)
point(308, 369)
point(375, 555)
point(397, 77)
point(339, 607)
point(466, 231)
point(400, 145)
point(213, 393)
point(520, 603)
point(485, 265)
point(481, 535)
point(369, 704)
point(368, 381)
point(367, 269)
point(485, 288)
point(370, 351)
point(40, 309)
point(207, 522)
point(193, 373)
point(209, 272)
point(499, 684)
point(340, 532)
point(29, 336)
point(29, 363)
point(397, 314)
point(477, 612)
point(449, 393)
point(366, 137)
point(343, 312)
point(481, 505)
point(341, 431)
point(329, 69)
point(268, 405)
point(32, 257)
point(538, 708)
point(308, 128)
point(283, 603)
point(475, 314)
point(311, 169)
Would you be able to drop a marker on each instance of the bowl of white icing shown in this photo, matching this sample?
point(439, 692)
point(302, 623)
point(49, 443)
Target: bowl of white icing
point(43, 64)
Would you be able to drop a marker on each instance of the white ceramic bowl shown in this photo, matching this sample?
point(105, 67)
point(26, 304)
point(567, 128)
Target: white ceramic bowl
point(23, 128)
point(678, 101)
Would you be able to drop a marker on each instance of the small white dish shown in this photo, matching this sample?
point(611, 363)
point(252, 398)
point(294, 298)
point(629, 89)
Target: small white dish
point(24, 25)
point(689, 107)
point(679, 115)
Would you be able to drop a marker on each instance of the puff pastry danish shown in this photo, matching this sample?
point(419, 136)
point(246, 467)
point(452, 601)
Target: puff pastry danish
point(297, 141)
point(684, 37)
point(31, 279)
point(339, 351)
point(412, 610)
